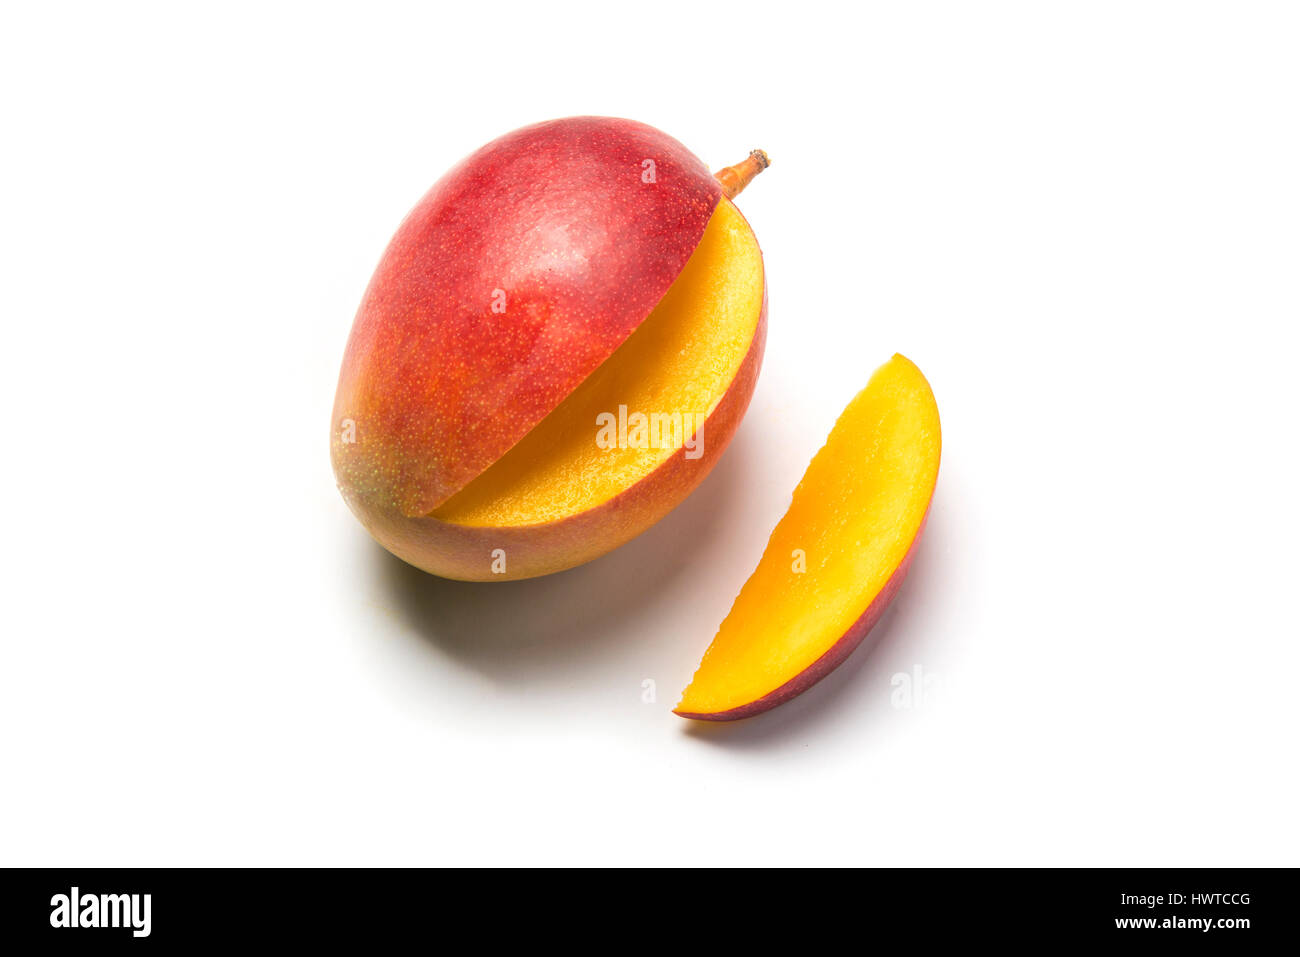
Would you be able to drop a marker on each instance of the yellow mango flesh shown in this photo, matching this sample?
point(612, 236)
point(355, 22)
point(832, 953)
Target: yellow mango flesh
point(853, 517)
point(681, 359)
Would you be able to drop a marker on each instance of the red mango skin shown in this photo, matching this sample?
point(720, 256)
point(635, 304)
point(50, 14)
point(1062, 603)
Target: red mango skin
point(465, 553)
point(834, 656)
point(557, 221)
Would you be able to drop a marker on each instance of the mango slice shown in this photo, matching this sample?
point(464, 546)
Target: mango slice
point(836, 558)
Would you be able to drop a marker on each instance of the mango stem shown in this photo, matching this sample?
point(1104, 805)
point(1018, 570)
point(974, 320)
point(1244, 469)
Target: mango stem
point(735, 178)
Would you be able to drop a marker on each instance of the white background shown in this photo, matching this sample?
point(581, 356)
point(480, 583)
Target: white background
point(1082, 221)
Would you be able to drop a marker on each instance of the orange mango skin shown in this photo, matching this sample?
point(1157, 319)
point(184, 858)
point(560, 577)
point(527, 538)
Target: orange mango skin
point(557, 217)
point(833, 657)
point(464, 552)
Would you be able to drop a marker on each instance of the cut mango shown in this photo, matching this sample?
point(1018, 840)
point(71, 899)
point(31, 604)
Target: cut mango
point(680, 361)
point(837, 557)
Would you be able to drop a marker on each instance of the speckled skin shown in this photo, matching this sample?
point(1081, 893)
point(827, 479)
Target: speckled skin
point(465, 553)
point(557, 217)
point(834, 656)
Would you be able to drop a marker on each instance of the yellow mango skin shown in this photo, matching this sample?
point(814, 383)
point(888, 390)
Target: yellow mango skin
point(855, 518)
